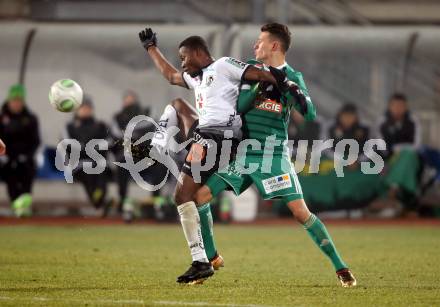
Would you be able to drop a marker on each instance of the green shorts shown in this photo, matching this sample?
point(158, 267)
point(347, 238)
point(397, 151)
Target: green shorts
point(278, 180)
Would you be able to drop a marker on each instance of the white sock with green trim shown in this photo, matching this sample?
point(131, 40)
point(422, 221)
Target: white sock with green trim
point(189, 217)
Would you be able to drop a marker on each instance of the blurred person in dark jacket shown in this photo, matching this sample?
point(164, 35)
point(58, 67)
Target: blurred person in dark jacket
point(402, 134)
point(348, 126)
point(131, 107)
point(20, 132)
point(399, 128)
point(301, 129)
point(84, 127)
point(303, 133)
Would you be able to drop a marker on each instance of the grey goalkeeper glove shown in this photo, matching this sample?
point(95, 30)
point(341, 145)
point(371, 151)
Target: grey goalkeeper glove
point(148, 38)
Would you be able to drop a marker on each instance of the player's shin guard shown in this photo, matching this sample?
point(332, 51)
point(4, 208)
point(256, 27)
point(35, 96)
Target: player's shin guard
point(207, 230)
point(189, 217)
point(321, 237)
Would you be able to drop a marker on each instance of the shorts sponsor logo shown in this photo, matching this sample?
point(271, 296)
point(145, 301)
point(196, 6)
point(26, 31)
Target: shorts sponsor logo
point(277, 183)
point(270, 106)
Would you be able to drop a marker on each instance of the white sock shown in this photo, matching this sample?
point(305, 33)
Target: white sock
point(167, 120)
point(190, 219)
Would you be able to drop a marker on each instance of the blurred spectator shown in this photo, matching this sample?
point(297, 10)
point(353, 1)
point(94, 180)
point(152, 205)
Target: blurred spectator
point(19, 131)
point(2, 148)
point(300, 129)
point(83, 128)
point(347, 126)
point(130, 108)
point(399, 128)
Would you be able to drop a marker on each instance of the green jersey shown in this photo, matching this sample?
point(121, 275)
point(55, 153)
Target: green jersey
point(266, 114)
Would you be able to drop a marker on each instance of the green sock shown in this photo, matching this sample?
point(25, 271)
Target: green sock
point(207, 230)
point(321, 237)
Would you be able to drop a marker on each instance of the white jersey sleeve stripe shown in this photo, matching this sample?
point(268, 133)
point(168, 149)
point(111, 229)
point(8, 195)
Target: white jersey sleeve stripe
point(232, 68)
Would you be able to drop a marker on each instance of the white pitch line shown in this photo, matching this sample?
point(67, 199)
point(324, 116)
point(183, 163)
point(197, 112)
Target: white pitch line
point(131, 302)
point(98, 301)
point(139, 302)
point(177, 303)
point(41, 299)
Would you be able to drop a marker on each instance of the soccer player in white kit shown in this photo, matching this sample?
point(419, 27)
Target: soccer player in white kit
point(216, 87)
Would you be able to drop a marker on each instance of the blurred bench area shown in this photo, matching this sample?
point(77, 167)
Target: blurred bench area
point(355, 195)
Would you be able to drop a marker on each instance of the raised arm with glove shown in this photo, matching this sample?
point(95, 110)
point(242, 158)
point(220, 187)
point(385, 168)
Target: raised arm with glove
point(286, 85)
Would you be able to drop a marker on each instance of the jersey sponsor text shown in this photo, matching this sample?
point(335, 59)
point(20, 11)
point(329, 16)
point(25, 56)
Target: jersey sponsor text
point(270, 106)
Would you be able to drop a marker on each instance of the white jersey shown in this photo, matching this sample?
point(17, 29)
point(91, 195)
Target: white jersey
point(216, 92)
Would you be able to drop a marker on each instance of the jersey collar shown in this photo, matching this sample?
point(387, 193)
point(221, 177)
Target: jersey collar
point(282, 65)
point(200, 74)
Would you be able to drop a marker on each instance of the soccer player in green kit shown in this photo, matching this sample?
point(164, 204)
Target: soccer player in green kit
point(266, 115)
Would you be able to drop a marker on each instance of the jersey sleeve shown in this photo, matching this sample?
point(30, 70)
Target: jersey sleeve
point(248, 91)
point(311, 110)
point(189, 81)
point(232, 68)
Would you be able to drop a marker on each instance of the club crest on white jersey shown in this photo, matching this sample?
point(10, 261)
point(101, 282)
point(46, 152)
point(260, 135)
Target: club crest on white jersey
point(216, 92)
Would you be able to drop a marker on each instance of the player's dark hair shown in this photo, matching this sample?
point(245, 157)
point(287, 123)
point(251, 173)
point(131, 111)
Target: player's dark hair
point(348, 107)
point(398, 96)
point(195, 42)
point(280, 32)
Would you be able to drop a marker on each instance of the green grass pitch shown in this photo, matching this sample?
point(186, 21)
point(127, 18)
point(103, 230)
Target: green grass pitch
point(265, 266)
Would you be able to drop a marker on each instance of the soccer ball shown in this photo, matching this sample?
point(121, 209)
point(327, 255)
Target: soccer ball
point(65, 95)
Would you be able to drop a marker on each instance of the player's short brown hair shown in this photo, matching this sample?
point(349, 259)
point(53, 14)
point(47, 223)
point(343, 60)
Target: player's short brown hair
point(398, 96)
point(280, 32)
point(195, 42)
